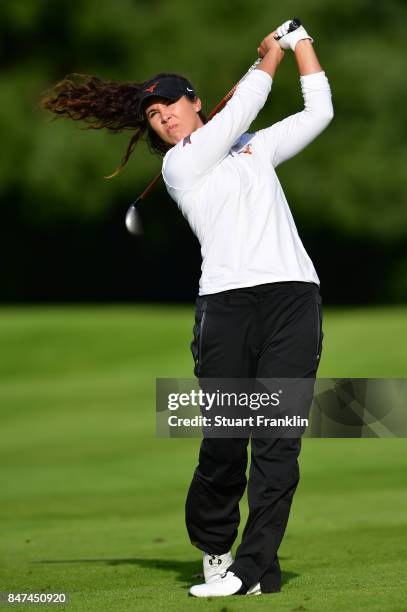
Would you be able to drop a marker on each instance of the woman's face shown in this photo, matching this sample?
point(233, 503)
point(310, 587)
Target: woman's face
point(172, 121)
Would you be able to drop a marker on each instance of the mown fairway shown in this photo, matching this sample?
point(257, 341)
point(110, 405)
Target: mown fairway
point(92, 503)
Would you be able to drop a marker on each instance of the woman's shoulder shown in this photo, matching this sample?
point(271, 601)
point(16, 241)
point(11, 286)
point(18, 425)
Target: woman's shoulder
point(172, 165)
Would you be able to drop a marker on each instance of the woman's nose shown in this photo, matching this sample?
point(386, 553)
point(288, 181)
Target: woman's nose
point(165, 116)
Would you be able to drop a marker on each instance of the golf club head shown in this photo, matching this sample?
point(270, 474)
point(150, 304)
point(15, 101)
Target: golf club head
point(133, 221)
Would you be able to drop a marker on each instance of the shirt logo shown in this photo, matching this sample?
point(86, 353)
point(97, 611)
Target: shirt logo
point(247, 150)
point(152, 87)
point(187, 140)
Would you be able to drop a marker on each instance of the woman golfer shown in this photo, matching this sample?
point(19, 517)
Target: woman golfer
point(258, 313)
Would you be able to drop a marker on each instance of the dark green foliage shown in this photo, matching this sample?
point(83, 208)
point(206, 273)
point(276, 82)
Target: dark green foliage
point(349, 182)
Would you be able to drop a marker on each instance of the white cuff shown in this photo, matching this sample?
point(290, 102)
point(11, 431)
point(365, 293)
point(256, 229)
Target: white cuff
point(261, 75)
point(316, 81)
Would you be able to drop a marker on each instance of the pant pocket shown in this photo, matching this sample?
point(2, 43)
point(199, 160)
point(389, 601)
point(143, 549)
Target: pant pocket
point(320, 333)
point(198, 333)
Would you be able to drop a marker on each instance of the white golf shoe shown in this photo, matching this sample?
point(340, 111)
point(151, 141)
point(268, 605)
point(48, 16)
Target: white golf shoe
point(254, 590)
point(226, 584)
point(216, 565)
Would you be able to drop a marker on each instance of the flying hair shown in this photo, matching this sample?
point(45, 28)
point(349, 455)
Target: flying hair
point(109, 105)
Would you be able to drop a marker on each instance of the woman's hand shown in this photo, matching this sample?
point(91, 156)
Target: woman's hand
point(271, 54)
point(289, 40)
point(270, 45)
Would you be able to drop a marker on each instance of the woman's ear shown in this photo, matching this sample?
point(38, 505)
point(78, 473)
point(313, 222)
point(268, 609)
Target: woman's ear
point(197, 104)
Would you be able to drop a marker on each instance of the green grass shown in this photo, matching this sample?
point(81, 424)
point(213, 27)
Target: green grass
point(92, 503)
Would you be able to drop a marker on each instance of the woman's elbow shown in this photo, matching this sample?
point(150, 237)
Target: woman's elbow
point(320, 117)
point(327, 114)
point(323, 118)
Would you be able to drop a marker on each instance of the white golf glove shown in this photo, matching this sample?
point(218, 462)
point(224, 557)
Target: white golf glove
point(288, 41)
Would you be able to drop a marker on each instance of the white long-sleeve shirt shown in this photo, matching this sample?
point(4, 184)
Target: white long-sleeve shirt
point(223, 180)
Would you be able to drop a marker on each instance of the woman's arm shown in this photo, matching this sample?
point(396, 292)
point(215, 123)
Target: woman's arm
point(307, 60)
point(288, 137)
point(194, 156)
point(187, 162)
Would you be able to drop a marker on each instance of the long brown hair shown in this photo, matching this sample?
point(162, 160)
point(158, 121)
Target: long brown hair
point(111, 105)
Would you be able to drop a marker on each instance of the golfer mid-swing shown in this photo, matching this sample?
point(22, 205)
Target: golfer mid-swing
point(258, 313)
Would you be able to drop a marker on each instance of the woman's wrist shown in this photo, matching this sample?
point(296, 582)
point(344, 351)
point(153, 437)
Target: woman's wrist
point(271, 60)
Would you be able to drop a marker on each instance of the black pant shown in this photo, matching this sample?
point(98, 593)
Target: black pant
point(268, 331)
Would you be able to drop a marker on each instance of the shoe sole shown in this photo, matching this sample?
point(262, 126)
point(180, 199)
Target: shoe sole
point(253, 594)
